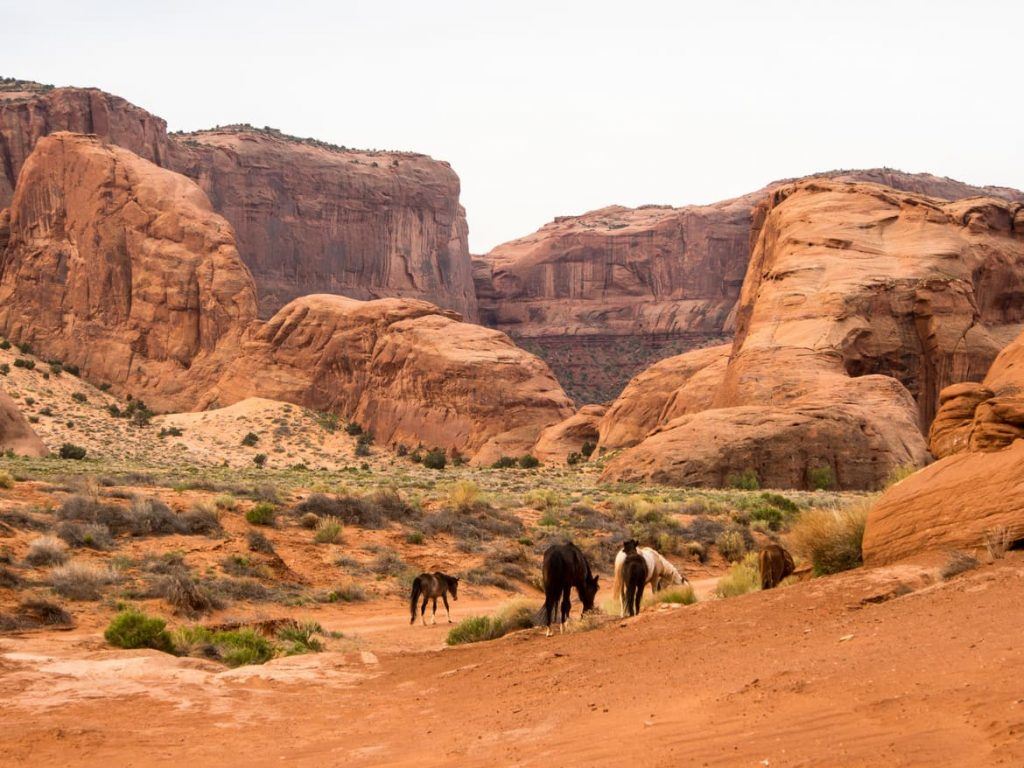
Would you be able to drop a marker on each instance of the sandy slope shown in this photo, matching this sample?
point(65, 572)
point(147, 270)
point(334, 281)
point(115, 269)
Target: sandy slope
point(834, 672)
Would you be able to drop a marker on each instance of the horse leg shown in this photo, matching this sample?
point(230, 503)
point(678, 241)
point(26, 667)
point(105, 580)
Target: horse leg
point(433, 614)
point(566, 607)
point(423, 610)
point(550, 598)
point(446, 610)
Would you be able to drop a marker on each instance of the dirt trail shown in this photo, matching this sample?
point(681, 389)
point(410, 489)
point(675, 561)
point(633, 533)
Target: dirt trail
point(836, 672)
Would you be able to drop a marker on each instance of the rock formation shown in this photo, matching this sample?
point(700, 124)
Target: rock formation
point(603, 295)
point(122, 268)
point(16, 434)
point(558, 441)
point(857, 297)
point(309, 217)
point(312, 218)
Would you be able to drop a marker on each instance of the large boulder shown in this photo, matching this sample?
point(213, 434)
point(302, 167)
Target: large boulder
point(123, 269)
point(860, 304)
point(16, 434)
point(959, 502)
point(558, 441)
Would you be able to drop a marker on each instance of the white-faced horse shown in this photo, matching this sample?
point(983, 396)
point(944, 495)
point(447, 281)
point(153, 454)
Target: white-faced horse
point(660, 572)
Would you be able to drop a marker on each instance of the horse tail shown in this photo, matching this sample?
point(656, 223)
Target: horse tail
point(617, 586)
point(417, 588)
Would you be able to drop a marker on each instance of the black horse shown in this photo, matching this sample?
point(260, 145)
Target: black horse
point(634, 576)
point(432, 585)
point(566, 567)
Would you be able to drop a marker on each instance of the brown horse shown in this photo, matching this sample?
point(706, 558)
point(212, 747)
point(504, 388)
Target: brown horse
point(432, 586)
point(565, 567)
point(776, 564)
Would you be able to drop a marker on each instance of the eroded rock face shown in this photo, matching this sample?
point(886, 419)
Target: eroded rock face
point(16, 434)
point(123, 268)
point(603, 295)
point(569, 436)
point(310, 218)
point(954, 504)
point(856, 298)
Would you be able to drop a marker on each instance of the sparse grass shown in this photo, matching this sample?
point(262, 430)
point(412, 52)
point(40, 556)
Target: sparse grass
point(226, 502)
point(346, 593)
point(328, 531)
point(899, 474)
point(830, 538)
point(184, 594)
point(310, 520)
point(6, 479)
point(464, 495)
point(518, 614)
point(79, 580)
point(300, 637)
point(958, 562)
point(997, 542)
point(203, 517)
point(133, 629)
point(743, 577)
point(681, 595)
point(46, 550)
point(85, 535)
point(543, 499)
point(731, 545)
point(259, 543)
point(415, 537)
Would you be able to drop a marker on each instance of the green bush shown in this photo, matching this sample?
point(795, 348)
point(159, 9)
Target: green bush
point(681, 595)
point(435, 459)
point(79, 397)
point(72, 451)
point(260, 460)
point(504, 462)
point(516, 615)
point(746, 480)
point(528, 461)
point(588, 449)
point(353, 429)
point(731, 545)
point(25, 363)
point(250, 439)
point(133, 629)
point(240, 647)
point(415, 537)
point(821, 478)
point(299, 637)
point(261, 513)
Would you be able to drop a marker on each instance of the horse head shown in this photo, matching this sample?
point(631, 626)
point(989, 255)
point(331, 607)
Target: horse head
point(629, 546)
point(453, 586)
point(588, 592)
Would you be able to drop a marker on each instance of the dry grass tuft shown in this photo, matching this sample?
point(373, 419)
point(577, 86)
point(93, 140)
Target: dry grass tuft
point(830, 538)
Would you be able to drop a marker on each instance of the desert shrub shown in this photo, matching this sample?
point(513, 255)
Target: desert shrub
point(310, 520)
point(259, 543)
point(85, 535)
point(6, 479)
point(46, 550)
point(899, 473)
point(958, 562)
point(202, 517)
point(783, 503)
point(195, 641)
point(74, 371)
point(79, 397)
point(353, 429)
point(261, 513)
point(362, 449)
point(265, 492)
point(4, 369)
point(435, 459)
point(78, 580)
point(415, 537)
point(114, 411)
point(170, 432)
point(250, 439)
point(34, 613)
point(573, 459)
point(416, 457)
point(328, 530)
point(240, 647)
point(464, 495)
point(654, 525)
point(72, 451)
point(9, 579)
point(482, 524)
point(587, 449)
point(543, 499)
point(830, 539)
point(148, 516)
point(743, 576)
point(347, 593)
point(260, 460)
point(239, 565)
point(695, 549)
point(528, 461)
point(997, 542)
point(703, 530)
point(730, 545)
point(46, 411)
point(516, 615)
point(389, 503)
point(746, 480)
point(88, 509)
point(504, 462)
point(821, 478)
point(226, 501)
point(184, 594)
point(5, 344)
point(166, 562)
point(25, 363)
point(300, 637)
point(388, 563)
point(680, 595)
point(133, 629)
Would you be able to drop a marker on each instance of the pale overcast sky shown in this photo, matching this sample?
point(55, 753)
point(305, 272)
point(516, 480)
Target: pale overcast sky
point(554, 108)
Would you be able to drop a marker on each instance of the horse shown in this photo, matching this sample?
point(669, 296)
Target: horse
point(775, 564)
point(432, 585)
point(660, 572)
point(565, 567)
point(634, 575)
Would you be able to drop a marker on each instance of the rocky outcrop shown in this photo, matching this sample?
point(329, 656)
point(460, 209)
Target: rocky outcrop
point(558, 441)
point(16, 434)
point(603, 295)
point(958, 503)
point(309, 217)
point(123, 268)
point(29, 111)
point(313, 218)
point(856, 298)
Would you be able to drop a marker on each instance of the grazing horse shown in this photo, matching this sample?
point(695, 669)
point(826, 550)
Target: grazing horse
point(634, 575)
point(660, 572)
point(432, 585)
point(565, 567)
point(775, 564)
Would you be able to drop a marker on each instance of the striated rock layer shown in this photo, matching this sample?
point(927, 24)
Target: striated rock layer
point(859, 305)
point(602, 295)
point(309, 217)
point(123, 268)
